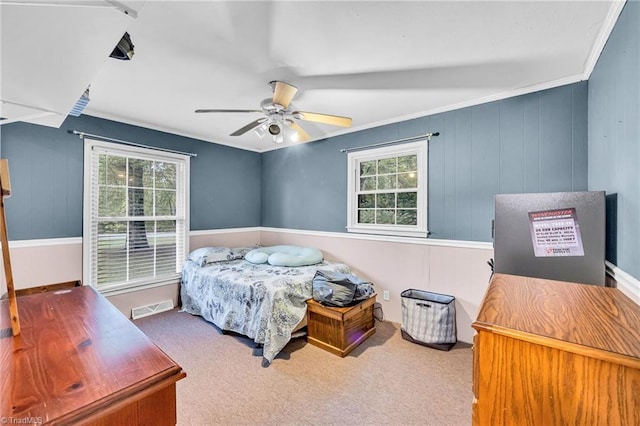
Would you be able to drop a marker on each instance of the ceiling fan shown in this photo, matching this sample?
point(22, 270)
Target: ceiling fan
point(279, 116)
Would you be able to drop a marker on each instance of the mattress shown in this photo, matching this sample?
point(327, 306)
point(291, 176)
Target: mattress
point(263, 302)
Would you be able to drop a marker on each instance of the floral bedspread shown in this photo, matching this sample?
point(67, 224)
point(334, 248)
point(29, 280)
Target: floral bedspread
point(263, 302)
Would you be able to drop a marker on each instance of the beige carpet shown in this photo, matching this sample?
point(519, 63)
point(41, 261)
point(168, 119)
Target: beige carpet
point(385, 381)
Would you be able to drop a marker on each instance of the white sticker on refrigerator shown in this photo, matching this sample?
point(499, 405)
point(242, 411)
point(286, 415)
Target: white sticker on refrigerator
point(556, 233)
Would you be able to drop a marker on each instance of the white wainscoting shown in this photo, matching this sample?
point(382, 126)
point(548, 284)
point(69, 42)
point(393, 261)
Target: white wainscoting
point(49, 261)
point(458, 268)
point(234, 237)
point(625, 282)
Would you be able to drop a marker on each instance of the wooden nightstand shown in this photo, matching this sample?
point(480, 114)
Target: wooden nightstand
point(340, 330)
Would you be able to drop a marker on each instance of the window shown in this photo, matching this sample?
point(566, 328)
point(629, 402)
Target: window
point(387, 190)
point(135, 216)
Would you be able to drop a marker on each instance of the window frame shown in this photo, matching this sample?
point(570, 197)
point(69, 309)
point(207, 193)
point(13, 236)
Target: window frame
point(90, 207)
point(353, 175)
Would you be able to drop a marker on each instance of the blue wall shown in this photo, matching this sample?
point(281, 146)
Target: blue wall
point(46, 166)
point(614, 132)
point(530, 143)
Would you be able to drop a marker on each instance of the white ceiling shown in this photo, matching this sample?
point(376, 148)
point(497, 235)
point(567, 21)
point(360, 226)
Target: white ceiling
point(375, 61)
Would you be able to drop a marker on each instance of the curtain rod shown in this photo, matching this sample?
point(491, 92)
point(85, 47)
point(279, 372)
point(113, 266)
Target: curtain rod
point(82, 135)
point(426, 136)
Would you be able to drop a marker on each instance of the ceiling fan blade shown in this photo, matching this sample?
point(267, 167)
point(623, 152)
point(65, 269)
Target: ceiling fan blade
point(248, 127)
point(334, 120)
point(227, 110)
point(303, 136)
point(283, 93)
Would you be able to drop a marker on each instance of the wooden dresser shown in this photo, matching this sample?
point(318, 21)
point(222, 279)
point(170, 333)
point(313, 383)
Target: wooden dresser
point(555, 353)
point(78, 360)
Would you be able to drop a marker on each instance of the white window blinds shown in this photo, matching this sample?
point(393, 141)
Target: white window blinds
point(136, 215)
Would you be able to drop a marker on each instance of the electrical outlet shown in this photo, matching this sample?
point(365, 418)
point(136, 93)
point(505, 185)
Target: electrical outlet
point(385, 295)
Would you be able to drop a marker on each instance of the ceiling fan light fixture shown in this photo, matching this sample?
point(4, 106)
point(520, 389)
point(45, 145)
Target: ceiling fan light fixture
point(275, 129)
point(280, 118)
point(261, 130)
point(289, 132)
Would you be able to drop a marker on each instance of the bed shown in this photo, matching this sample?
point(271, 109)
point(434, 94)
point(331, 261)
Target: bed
point(261, 301)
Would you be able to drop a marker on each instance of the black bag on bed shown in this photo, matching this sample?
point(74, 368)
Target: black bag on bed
point(337, 289)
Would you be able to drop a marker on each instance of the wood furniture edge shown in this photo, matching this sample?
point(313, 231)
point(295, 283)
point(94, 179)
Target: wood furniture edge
point(136, 392)
point(341, 352)
point(536, 361)
point(614, 298)
point(5, 185)
point(335, 312)
point(5, 180)
point(94, 412)
point(47, 288)
point(338, 314)
point(554, 343)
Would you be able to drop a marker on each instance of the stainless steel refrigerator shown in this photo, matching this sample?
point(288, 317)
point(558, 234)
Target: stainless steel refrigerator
point(558, 236)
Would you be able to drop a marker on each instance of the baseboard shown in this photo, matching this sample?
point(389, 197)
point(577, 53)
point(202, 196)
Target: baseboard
point(629, 285)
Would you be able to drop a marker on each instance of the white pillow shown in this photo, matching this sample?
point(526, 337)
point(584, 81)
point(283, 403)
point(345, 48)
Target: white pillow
point(284, 255)
point(240, 252)
point(256, 256)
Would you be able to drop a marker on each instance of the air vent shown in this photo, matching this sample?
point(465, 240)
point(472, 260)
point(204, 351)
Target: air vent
point(79, 107)
point(155, 308)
